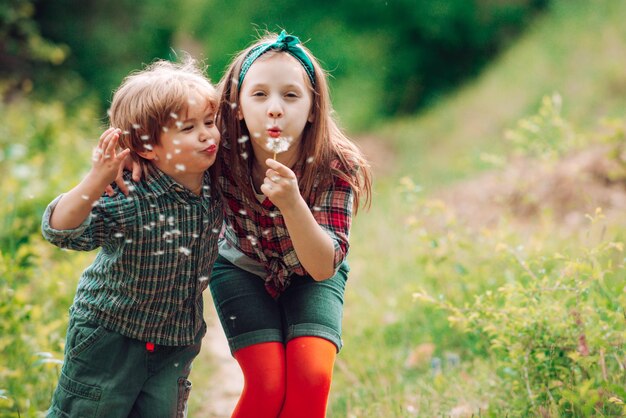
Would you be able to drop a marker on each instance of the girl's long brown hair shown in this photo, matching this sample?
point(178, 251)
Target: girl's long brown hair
point(322, 140)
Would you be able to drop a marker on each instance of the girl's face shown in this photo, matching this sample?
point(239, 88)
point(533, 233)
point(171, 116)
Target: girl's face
point(275, 102)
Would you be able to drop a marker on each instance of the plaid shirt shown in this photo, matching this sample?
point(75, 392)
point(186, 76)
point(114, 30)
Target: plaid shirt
point(158, 246)
point(258, 229)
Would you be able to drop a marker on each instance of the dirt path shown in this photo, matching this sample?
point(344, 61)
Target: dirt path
point(226, 381)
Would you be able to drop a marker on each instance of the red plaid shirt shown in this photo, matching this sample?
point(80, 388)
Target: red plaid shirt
point(258, 229)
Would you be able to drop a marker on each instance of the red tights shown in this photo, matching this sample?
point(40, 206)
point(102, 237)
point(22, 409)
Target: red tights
point(286, 383)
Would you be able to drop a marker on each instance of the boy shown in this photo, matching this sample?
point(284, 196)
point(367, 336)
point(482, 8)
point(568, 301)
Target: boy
point(136, 322)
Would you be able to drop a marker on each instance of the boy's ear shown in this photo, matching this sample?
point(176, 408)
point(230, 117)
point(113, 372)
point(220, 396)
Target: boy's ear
point(311, 117)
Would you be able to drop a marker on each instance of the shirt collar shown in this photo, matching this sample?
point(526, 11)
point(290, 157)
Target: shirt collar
point(160, 184)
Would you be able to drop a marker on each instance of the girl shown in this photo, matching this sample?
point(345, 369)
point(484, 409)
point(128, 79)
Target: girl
point(290, 180)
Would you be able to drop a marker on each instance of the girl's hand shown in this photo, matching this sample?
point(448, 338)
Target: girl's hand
point(129, 165)
point(106, 162)
point(280, 185)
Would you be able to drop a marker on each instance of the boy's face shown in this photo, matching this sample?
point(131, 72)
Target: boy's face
point(275, 101)
point(189, 146)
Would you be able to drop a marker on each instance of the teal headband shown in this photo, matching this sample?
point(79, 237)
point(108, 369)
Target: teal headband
point(284, 42)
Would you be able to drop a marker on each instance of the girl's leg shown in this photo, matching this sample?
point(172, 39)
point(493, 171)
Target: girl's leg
point(252, 322)
point(310, 363)
point(263, 367)
point(313, 312)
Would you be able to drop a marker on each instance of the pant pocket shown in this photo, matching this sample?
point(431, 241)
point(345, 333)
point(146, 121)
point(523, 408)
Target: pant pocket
point(86, 334)
point(74, 399)
point(184, 388)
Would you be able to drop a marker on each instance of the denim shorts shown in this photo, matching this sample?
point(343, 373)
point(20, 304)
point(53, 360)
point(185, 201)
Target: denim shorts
point(106, 374)
point(249, 315)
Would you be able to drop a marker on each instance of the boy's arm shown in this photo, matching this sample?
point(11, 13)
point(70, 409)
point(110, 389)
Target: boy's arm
point(74, 207)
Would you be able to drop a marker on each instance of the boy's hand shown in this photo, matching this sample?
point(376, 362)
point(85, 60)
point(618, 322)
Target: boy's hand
point(280, 185)
point(106, 162)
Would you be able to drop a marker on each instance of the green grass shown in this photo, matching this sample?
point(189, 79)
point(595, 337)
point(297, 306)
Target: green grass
point(573, 49)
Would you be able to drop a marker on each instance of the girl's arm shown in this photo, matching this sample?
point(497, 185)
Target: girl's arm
point(75, 205)
point(314, 247)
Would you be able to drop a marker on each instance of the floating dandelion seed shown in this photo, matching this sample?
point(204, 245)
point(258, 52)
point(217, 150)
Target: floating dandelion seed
point(175, 364)
point(145, 137)
point(177, 151)
point(148, 147)
point(310, 160)
point(203, 279)
point(253, 240)
point(316, 208)
point(118, 235)
point(170, 220)
point(274, 214)
point(179, 124)
point(129, 241)
point(176, 142)
point(244, 155)
point(266, 232)
point(94, 204)
point(147, 228)
point(233, 105)
point(109, 112)
point(243, 212)
point(278, 145)
point(243, 139)
point(84, 197)
point(136, 126)
point(184, 250)
point(165, 129)
point(173, 115)
point(215, 230)
point(126, 133)
point(180, 167)
point(152, 223)
point(233, 317)
point(256, 135)
point(168, 156)
point(160, 252)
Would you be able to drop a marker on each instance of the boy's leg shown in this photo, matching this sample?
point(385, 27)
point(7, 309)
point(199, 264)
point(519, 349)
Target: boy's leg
point(102, 373)
point(166, 390)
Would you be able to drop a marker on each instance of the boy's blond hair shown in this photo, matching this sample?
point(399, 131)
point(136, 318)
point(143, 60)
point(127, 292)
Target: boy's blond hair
point(151, 101)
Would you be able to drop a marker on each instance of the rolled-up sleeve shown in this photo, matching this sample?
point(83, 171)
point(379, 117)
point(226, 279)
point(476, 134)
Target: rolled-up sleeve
point(333, 212)
point(107, 218)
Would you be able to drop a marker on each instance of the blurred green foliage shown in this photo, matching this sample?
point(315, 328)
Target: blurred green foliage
point(386, 57)
point(43, 151)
